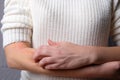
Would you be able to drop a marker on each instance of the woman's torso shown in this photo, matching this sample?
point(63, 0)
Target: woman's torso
point(84, 22)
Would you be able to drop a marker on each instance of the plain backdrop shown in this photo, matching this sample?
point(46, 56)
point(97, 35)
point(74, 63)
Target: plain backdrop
point(5, 72)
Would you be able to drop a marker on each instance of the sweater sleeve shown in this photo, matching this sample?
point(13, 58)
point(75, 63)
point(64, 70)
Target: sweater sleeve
point(115, 29)
point(16, 22)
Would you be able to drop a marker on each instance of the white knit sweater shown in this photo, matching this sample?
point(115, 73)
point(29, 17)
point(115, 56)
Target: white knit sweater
point(84, 22)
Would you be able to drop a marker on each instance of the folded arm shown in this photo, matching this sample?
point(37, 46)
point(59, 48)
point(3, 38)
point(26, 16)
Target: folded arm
point(20, 56)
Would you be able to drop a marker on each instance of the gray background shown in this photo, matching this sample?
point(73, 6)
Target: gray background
point(5, 72)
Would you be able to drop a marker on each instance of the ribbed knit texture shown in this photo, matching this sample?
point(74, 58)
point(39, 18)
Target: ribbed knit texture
point(84, 22)
point(79, 21)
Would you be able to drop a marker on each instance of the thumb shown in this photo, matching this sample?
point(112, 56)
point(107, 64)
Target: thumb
point(52, 43)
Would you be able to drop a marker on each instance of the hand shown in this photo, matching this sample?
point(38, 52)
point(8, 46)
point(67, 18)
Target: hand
point(64, 55)
point(109, 70)
point(106, 70)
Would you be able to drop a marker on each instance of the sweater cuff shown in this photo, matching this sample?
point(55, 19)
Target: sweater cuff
point(16, 35)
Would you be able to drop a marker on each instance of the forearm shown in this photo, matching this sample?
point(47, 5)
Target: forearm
point(107, 54)
point(100, 55)
point(15, 52)
point(20, 56)
point(106, 70)
point(75, 73)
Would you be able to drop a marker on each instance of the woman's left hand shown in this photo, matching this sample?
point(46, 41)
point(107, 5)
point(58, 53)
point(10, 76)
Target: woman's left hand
point(64, 55)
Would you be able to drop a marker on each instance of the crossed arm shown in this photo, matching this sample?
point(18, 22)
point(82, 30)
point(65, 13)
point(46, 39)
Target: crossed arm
point(20, 56)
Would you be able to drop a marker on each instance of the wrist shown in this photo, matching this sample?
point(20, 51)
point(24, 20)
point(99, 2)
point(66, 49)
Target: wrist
point(100, 57)
point(93, 55)
point(90, 52)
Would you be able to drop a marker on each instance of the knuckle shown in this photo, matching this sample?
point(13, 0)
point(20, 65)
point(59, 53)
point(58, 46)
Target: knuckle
point(51, 60)
point(44, 51)
point(117, 69)
point(117, 66)
point(44, 60)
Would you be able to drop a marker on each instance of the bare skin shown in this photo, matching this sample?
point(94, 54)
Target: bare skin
point(20, 56)
point(64, 55)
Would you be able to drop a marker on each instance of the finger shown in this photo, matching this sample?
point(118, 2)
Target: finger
point(52, 66)
point(52, 43)
point(111, 68)
point(41, 52)
point(105, 70)
point(62, 67)
point(55, 64)
point(46, 61)
point(36, 56)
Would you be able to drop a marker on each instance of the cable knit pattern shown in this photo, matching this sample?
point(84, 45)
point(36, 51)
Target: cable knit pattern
point(84, 22)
